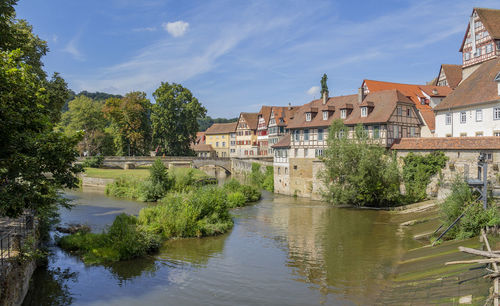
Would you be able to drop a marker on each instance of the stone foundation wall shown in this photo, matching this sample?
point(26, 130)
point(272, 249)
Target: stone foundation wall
point(282, 179)
point(95, 182)
point(241, 167)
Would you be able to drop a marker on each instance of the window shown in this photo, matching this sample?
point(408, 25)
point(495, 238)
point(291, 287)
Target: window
point(463, 134)
point(279, 170)
point(325, 115)
point(341, 134)
point(296, 153)
point(496, 133)
point(343, 113)
point(223, 143)
point(479, 134)
point(364, 111)
point(306, 152)
point(306, 135)
point(496, 113)
point(286, 170)
point(217, 144)
point(463, 117)
point(297, 135)
point(308, 116)
point(479, 115)
point(467, 56)
point(319, 152)
point(448, 119)
point(489, 48)
point(396, 131)
point(412, 131)
point(408, 112)
point(399, 111)
point(320, 134)
point(376, 132)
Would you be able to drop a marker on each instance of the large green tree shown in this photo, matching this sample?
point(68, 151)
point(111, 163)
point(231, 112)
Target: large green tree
point(357, 170)
point(35, 160)
point(85, 115)
point(174, 119)
point(130, 121)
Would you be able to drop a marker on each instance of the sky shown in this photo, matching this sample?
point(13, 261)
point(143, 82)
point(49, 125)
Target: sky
point(238, 55)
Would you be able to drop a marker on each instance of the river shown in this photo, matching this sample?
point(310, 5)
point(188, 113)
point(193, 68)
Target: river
point(281, 251)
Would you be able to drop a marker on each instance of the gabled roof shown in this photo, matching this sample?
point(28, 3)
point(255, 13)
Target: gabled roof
point(252, 119)
point(411, 91)
point(299, 118)
point(491, 21)
point(453, 74)
point(284, 142)
point(285, 113)
point(447, 143)
point(222, 128)
point(384, 103)
point(436, 91)
point(265, 112)
point(479, 87)
point(201, 147)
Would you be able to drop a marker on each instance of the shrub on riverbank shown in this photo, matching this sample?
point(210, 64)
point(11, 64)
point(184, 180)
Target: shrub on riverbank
point(125, 239)
point(262, 180)
point(463, 200)
point(93, 162)
point(251, 193)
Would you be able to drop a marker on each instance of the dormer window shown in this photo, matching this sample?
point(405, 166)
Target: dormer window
point(343, 113)
point(497, 79)
point(364, 111)
point(325, 115)
point(308, 116)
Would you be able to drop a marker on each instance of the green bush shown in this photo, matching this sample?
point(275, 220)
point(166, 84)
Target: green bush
point(256, 176)
point(232, 185)
point(195, 214)
point(93, 162)
point(460, 200)
point(418, 171)
point(184, 182)
point(251, 193)
point(268, 183)
point(236, 199)
point(125, 187)
point(123, 240)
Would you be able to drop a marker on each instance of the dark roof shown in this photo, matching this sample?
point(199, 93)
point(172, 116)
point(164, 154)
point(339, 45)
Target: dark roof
point(222, 128)
point(479, 87)
point(447, 143)
point(284, 142)
point(252, 119)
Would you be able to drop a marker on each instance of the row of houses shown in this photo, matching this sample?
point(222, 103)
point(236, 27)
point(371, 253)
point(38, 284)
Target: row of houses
point(462, 101)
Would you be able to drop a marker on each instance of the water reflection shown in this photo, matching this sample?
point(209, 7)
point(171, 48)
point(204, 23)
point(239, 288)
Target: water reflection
point(55, 289)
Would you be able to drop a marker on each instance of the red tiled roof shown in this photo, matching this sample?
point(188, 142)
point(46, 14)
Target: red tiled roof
point(222, 128)
point(413, 92)
point(447, 143)
point(453, 74)
point(436, 91)
point(202, 147)
point(265, 112)
point(252, 119)
point(479, 87)
point(299, 118)
point(491, 21)
point(284, 142)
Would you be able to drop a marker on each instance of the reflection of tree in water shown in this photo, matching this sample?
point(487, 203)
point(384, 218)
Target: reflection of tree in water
point(127, 270)
point(340, 250)
point(195, 251)
point(55, 289)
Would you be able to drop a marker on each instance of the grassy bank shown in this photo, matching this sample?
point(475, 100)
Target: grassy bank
point(141, 173)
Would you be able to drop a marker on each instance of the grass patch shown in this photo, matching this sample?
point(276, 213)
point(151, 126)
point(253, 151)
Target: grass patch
point(116, 173)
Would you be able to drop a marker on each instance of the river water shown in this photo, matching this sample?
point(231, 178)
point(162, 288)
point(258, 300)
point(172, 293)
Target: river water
point(281, 251)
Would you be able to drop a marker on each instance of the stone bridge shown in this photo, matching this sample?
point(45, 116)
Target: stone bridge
point(130, 162)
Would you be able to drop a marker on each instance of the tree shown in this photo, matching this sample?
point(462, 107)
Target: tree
point(358, 171)
point(130, 120)
point(30, 149)
point(173, 119)
point(324, 86)
point(207, 122)
point(86, 115)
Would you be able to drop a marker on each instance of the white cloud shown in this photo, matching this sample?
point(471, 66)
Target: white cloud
point(72, 48)
point(146, 29)
point(177, 28)
point(313, 91)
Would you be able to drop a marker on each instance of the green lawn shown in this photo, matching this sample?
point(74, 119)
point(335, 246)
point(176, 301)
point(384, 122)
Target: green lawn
point(138, 173)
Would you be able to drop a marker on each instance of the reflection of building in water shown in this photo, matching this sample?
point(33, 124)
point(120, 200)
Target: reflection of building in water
point(344, 251)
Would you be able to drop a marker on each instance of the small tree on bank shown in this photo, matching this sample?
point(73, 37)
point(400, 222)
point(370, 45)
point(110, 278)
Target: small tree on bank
point(357, 170)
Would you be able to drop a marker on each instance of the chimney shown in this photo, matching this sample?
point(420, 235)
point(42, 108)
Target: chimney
point(434, 92)
point(361, 95)
point(325, 97)
point(289, 106)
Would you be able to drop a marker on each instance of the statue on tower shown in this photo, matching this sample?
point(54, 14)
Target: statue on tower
point(324, 86)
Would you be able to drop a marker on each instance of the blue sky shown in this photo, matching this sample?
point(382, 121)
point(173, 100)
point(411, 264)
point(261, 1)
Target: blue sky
point(238, 55)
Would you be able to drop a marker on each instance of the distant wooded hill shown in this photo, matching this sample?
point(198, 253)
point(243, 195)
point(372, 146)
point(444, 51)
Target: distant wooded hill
point(98, 96)
point(207, 122)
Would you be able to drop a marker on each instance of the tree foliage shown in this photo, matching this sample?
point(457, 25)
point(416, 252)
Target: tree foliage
point(418, 171)
point(207, 122)
point(357, 171)
point(174, 119)
point(129, 118)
